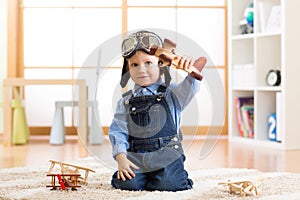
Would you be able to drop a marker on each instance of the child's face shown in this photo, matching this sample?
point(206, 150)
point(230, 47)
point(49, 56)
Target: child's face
point(143, 68)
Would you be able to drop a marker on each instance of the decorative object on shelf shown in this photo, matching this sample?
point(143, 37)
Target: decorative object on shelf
point(246, 24)
point(273, 77)
point(272, 127)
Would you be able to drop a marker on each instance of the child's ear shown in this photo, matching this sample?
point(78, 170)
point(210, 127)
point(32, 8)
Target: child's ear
point(160, 63)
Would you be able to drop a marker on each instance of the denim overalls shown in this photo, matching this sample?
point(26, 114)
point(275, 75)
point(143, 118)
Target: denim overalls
point(155, 146)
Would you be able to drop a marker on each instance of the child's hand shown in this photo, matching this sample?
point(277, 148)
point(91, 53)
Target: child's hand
point(186, 64)
point(125, 167)
point(200, 63)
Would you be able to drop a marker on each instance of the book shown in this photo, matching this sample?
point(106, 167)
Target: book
point(251, 119)
point(239, 102)
point(248, 116)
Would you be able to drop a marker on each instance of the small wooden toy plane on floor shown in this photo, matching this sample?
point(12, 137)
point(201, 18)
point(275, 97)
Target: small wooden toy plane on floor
point(64, 182)
point(243, 188)
point(68, 177)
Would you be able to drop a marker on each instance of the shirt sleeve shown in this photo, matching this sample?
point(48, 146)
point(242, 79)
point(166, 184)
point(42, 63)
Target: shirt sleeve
point(118, 132)
point(185, 90)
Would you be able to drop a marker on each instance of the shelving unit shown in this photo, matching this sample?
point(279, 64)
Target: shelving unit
point(251, 56)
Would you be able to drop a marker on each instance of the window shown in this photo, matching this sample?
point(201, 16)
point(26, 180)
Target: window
point(60, 34)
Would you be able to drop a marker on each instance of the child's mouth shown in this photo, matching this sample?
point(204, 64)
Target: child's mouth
point(142, 77)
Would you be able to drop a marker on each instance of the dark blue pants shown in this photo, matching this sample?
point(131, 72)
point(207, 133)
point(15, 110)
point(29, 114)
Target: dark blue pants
point(170, 178)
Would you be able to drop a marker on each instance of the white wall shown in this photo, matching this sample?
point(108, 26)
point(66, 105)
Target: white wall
point(3, 52)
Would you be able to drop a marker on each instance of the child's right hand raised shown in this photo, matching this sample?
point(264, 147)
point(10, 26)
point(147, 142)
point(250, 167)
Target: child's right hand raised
point(194, 68)
point(125, 167)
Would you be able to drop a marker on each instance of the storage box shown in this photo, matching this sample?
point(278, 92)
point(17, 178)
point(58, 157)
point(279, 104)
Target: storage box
point(243, 75)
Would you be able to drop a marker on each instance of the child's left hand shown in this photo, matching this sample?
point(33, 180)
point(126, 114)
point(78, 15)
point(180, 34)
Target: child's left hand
point(125, 167)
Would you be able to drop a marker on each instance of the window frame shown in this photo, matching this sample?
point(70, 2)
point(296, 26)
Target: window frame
point(15, 50)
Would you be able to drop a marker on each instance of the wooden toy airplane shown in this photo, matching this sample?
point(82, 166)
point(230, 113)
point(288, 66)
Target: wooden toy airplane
point(67, 171)
point(243, 188)
point(168, 57)
point(65, 181)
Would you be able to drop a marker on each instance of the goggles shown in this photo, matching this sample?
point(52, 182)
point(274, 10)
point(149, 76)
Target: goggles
point(142, 40)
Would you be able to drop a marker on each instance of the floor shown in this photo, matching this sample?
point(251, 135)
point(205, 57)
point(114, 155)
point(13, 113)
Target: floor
point(200, 154)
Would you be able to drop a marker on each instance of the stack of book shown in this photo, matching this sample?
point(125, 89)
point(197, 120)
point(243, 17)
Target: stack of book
point(245, 116)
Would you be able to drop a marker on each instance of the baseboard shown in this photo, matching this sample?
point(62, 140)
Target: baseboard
point(186, 130)
point(45, 130)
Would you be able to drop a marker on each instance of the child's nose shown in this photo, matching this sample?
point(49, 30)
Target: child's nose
point(142, 68)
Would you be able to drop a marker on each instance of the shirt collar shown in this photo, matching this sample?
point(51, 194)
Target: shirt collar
point(139, 90)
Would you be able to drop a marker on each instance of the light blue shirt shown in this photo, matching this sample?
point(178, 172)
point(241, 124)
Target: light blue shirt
point(178, 96)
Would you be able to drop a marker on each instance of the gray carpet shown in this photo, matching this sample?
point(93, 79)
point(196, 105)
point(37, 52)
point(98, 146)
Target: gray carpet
point(30, 183)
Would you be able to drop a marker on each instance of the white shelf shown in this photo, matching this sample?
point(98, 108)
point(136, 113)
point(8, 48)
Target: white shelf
point(243, 88)
point(266, 34)
point(243, 37)
point(269, 88)
point(262, 88)
point(255, 142)
point(263, 51)
point(255, 35)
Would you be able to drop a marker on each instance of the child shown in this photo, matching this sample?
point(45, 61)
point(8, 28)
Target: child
point(145, 132)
